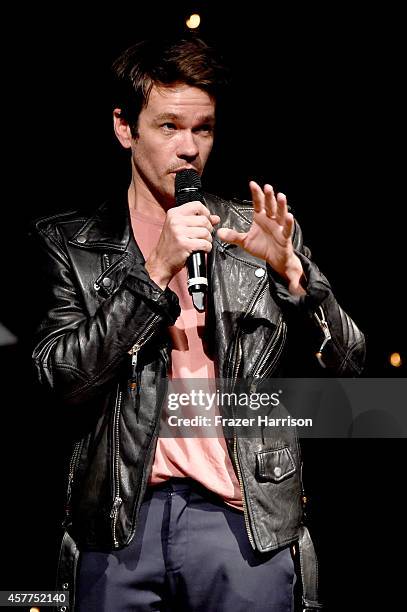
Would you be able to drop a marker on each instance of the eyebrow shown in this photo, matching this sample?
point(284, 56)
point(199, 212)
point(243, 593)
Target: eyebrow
point(175, 117)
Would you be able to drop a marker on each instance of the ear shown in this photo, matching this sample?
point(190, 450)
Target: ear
point(122, 129)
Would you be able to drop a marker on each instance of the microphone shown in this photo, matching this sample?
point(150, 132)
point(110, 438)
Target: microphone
point(188, 189)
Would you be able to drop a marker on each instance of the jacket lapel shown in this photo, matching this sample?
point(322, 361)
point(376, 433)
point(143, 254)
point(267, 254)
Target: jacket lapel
point(108, 229)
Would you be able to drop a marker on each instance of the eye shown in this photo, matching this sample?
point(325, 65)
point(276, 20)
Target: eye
point(168, 126)
point(205, 128)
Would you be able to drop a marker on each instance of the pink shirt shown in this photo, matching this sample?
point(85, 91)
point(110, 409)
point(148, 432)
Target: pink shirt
point(204, 459)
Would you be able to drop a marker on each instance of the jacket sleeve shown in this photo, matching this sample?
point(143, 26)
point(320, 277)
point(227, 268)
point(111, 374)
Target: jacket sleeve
point(333, 340)
point(75, 353)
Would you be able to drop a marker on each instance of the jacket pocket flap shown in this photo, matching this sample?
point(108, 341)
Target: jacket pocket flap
point(275, 465)
point(112, 277)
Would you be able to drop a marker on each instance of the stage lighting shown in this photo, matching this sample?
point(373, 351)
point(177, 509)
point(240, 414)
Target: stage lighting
point(395, 360)
point(193, 21)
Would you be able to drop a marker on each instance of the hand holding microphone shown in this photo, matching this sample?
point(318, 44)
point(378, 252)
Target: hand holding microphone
point(185, 238)
point(188, 189)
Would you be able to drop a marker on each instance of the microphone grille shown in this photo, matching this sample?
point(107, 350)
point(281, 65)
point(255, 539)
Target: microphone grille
point(187, 179)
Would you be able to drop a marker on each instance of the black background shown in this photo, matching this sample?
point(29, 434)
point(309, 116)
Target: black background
point(315, 109)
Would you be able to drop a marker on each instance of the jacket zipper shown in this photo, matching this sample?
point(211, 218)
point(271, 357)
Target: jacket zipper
point(262, 368)
point(105, 265)
point(71, 473)
point(240, 479)
point(142, 339)
point(106, 262)
point(235, 371)
point(144, 475)
point(323, 324)
point(117, 500)
point(234, 360)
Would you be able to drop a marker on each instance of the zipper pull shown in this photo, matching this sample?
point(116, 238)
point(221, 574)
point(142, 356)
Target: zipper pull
point(134, 354)
point(115, 508)
point(323, 324)
point(253, 384)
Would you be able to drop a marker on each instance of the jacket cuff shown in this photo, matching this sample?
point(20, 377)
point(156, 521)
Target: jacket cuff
point(315, 284)
point(164, 302)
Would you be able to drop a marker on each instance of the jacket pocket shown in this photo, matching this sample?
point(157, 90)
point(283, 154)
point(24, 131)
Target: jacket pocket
point(275, 465)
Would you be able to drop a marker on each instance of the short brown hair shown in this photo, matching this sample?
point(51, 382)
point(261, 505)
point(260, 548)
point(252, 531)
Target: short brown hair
point(151, 62)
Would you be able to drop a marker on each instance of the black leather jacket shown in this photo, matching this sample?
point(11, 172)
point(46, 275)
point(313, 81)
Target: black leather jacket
point(101, 304)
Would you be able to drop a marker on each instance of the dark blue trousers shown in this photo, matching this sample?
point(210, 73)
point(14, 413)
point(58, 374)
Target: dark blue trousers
point(190, 552)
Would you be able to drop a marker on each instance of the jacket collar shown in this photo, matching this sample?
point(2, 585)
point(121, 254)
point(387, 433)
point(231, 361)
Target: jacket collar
point(108, 228)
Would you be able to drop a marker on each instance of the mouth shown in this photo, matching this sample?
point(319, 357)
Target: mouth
point(183, 168)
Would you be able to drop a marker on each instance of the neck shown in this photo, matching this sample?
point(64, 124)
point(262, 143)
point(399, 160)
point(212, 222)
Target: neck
point(142, 200)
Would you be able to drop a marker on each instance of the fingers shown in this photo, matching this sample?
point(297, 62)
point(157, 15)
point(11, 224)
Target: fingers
point(190, 208)
point(283, 217)
point(257, 196)
point(196, 244)
point(288, 226)
point(200, 232)
point(266, 202)
point(270, 202)
point(192, 214)
point(191, 232)
point(214, 219)
point(196, 221)
point(281, 208)
point(196, 209)
point(232, 236)
point(187, 228)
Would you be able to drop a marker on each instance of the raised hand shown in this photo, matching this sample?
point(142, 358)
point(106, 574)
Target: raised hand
point(269, 237)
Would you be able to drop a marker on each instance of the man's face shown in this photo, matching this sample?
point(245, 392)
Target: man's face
point(175, 131)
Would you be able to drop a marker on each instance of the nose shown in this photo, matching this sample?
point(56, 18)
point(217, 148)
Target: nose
point(187, 147)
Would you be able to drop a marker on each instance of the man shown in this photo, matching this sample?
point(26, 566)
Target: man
point(154, 522)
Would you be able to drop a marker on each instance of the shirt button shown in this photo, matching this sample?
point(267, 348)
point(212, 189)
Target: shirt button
point(81, 239)
point(260, 272)
point(277, 472)
point(107, 281)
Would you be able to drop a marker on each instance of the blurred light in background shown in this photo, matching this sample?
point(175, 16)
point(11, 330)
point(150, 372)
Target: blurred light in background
point(395, 360)
point(193, 21)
